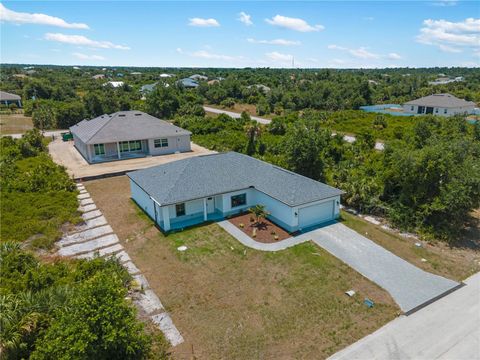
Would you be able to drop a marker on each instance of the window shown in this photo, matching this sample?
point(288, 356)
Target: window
point(413, 107)
point(134, 145)
point(159, 143)
point(99, 149)
point(445, 111)
point(436, 110)
point(239, 200)
point(180, 209)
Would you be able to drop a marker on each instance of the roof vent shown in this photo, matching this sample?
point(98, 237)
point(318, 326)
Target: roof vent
point(121, 115)
point(138, 114)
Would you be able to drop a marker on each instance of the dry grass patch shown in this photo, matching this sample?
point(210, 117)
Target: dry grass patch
point(15, 124)
point(456, 263)
point(229, 301)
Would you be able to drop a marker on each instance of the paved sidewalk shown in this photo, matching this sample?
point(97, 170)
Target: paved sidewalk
point(447, 329)
point(96, 238)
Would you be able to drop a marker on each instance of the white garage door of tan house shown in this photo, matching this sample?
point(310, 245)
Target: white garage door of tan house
point(315, 214)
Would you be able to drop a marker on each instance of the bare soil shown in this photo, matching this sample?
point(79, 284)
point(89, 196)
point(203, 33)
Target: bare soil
point(232, 302)
point(266, 231)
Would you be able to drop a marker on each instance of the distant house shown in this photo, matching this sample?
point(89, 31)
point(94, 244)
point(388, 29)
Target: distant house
point(187, 83)
point(136, 73)
point(114, 84)
point(148, 88)
point(8, 98)
point(98, 76)
point(439, 104)
point(446, 80)
point(166, 75)
point(127, 134)
point(212, 187)
point(198, 77)
point(261, 87)
point(213, 82)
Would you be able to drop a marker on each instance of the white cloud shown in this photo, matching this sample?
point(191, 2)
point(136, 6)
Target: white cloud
point(282, 59)
point(293, 24)
point(204, 54)
point(445, 3)
point(360, 53)
point(87, 57)
point(245, 18)
point(40, 19)
point(282, 42)
point(393, 56)
point(81, 40)
point(450, 36)
point(203, 22)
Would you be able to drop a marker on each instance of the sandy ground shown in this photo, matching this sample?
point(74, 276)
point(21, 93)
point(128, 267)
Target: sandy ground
point(64, 153)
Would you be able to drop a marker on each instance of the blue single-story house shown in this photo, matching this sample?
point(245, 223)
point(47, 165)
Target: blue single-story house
point(211, 187)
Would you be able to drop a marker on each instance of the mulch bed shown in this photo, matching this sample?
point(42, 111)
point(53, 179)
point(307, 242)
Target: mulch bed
point(264, 229)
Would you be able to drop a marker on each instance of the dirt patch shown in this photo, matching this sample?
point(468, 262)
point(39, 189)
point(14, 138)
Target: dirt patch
point(265, 231)
point(232, 302)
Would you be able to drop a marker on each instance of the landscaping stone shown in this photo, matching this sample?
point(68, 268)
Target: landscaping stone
point(85, 195)
point(131, 268)
point(87, 208)
point(111, 250)
point(85, 235)
point(141, 281)
point(122, 256)
point(164, 323)
point(149, 302)
point(91, 214)
point(83, 191)
point(88, 201)
point(91, 245)
point(91, 223)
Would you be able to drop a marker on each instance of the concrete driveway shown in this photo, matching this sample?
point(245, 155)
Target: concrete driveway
point(64, 153)
point(408, 285)
point(447, 329)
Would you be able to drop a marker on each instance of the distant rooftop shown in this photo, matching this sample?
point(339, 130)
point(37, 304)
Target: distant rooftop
point(5, 96)
point(441, 100)
point(124, 126)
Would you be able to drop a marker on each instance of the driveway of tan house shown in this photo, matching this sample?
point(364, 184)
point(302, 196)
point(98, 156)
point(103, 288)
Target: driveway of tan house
point(64, 153)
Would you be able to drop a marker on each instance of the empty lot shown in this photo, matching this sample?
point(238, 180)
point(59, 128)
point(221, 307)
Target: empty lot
point(232, 302)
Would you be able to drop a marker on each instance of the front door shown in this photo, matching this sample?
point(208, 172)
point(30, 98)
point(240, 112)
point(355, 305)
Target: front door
point(210, 205)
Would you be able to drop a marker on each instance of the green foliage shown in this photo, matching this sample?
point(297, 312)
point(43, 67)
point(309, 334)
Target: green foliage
point(162, 102)
point(43, 117)
point(37, 195)
point(259, 211)
point(67, 309)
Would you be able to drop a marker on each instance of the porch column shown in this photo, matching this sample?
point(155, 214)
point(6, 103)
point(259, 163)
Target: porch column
point(118, 149)
point(204, 209)
point(166, 218)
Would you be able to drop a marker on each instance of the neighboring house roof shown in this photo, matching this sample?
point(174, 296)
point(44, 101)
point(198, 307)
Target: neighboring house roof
point(441, 100)
point(208, 175)
point(115, 84)
point(98, 76)
point(198, 77)
point(187, 82)
point(5, 96)
point(148, 88)
point(165, 75)
point(262, 87)
point(124, 126)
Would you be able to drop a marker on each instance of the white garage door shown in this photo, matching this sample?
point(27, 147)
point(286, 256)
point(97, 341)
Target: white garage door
point(315, 214)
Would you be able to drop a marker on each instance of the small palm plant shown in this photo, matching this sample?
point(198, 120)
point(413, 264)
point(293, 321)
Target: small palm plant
point(259, 212)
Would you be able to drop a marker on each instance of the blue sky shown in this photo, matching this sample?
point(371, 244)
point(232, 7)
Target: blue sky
point(337, 34)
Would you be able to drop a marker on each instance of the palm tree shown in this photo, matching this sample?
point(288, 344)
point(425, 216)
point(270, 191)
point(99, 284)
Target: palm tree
point(260, 212)
point(253, 132)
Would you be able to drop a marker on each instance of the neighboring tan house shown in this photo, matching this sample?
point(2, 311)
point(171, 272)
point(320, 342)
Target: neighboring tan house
point(439, 104)
point(8, 98)
point(211, 187)
point(98, 76)
point(128, 134)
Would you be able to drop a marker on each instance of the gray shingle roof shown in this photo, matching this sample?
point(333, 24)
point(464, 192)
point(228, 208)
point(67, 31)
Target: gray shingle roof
point(441, 100)
point(123, 126)
point(208, 175)
point(8, 96)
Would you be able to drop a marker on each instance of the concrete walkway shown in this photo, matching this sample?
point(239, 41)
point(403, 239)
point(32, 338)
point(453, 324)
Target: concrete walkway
point(411, 287)
point(96, 238)
point(447, 329)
